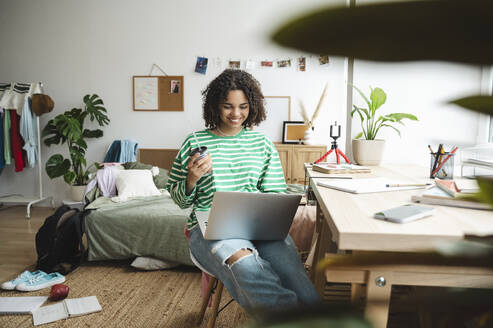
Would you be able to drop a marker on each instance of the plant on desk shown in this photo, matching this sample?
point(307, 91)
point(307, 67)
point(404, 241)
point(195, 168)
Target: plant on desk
point(69, 128)
point(369, 151)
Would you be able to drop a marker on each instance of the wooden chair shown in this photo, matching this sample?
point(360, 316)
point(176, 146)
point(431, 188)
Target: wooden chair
point(214, 290)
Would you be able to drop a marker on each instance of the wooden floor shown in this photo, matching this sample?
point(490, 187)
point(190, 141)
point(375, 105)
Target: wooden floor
point(17, 238)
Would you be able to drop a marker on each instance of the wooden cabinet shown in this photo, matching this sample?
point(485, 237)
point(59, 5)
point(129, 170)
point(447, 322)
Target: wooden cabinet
point(294, 156)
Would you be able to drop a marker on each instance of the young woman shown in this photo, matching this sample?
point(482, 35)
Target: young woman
point(257, 274)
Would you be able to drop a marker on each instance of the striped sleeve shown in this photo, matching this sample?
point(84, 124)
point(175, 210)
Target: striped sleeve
point(272, 175)
point(177, 180)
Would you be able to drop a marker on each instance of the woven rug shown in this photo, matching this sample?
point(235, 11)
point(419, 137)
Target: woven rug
point(133, 298)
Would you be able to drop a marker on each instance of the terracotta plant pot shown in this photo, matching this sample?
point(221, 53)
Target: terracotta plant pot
point(368, 152)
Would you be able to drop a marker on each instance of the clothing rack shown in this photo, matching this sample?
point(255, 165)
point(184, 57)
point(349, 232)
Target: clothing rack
point(17, 199)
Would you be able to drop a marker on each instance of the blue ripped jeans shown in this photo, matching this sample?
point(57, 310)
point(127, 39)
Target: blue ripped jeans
point(272, 277)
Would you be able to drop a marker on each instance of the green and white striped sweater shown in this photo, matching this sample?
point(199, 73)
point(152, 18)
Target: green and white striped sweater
point(247, 162)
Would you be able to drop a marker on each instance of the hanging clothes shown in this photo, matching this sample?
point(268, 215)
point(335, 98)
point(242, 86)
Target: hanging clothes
point(14, 97)
point(6, 137)
point(128, 152)
point(28, 128)
point(16, 139)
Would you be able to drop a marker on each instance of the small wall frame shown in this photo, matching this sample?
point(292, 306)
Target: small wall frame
point(293, 132)
point(158, 93)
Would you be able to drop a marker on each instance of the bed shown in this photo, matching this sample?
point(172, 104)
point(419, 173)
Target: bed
point(149, 226)
point(153, 226)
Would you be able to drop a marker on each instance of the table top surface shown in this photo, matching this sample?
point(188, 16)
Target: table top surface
point(350, 216)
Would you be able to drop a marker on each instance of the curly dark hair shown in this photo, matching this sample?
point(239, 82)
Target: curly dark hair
point(217, 92)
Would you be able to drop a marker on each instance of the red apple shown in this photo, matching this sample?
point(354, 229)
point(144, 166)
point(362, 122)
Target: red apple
point(58, 292)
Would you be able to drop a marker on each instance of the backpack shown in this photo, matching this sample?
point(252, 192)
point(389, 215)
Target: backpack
point(59, 241)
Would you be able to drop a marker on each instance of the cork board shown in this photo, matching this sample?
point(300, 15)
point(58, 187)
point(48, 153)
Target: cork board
point(158, 93)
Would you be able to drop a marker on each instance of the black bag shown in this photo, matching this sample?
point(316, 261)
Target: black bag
point(59, 241)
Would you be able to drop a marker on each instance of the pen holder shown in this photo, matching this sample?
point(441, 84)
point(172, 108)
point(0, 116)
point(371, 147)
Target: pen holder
point(442, 165)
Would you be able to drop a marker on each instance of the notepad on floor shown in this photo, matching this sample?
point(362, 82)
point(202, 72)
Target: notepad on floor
point(363, 186)
point(70, 307)
point(21, 304)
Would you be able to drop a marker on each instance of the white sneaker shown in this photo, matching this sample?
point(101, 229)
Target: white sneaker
point(23, 277)
point(41, 281)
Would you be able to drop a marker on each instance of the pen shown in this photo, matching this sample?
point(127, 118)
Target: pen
point(408, 185)
point(431, 149)
point(444, 161)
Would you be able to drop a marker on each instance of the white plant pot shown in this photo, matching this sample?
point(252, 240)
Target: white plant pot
point(368, 152)
point(309, 138)
point(77, 193)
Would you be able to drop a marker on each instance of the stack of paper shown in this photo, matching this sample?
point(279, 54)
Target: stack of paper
point(340, 168)
point(437, 196)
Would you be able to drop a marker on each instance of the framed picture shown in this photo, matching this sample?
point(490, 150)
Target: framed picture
point(277, 110)
point(293, 132)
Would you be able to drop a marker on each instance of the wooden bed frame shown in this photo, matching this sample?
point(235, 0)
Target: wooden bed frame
point(159, 157)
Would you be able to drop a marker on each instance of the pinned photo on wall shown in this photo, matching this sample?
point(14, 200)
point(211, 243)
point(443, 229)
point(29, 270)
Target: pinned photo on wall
point(201, 65)
point(266, 63)
point(234, 64)
point(250, 64)
point(301, 64)
point(284, 63)
point(175, 86)
point(323, 59)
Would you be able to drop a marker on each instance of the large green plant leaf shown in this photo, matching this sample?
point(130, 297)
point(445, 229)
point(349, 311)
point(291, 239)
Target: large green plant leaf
point(397, 117)
point(68, 127)
point(485, 194)
point(453, 30)
point(70, 177)
point(96, 110)
point(92, 133)
point(482, 104)
point(50, 131)
point(378, 98)
point(56, 166)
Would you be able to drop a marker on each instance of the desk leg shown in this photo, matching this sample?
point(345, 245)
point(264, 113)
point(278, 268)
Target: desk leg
point(378, 298)
point(322, 247)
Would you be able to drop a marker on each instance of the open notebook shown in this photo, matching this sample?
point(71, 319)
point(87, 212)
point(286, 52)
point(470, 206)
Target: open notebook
point(70, 307)
point(363, 186)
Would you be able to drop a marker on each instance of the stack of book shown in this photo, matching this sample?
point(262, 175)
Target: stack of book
point(458, 193)
point(330, 168)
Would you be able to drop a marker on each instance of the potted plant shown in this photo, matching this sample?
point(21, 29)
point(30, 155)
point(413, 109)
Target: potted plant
point(69, 128)
point(369, 151)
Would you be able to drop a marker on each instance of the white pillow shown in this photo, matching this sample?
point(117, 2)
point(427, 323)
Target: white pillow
point(134, 183)
point(149, 263)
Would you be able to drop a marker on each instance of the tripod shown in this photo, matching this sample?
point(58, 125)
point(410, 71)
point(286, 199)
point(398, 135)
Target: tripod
point(333, 147)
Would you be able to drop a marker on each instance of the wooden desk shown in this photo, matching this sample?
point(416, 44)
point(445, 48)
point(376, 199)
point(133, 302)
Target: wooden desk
point(345, 223)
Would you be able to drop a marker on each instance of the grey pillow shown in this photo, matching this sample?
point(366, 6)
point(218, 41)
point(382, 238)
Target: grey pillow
point(160, 180)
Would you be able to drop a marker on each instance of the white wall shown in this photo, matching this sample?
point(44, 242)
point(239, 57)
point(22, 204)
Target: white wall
point(80, 47)
point(423, 89)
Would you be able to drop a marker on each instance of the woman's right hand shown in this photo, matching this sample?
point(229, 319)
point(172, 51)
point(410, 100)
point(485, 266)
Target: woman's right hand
point(197, 169)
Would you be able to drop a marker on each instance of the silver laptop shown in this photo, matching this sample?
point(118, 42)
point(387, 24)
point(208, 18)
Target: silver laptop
point(246, 215)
